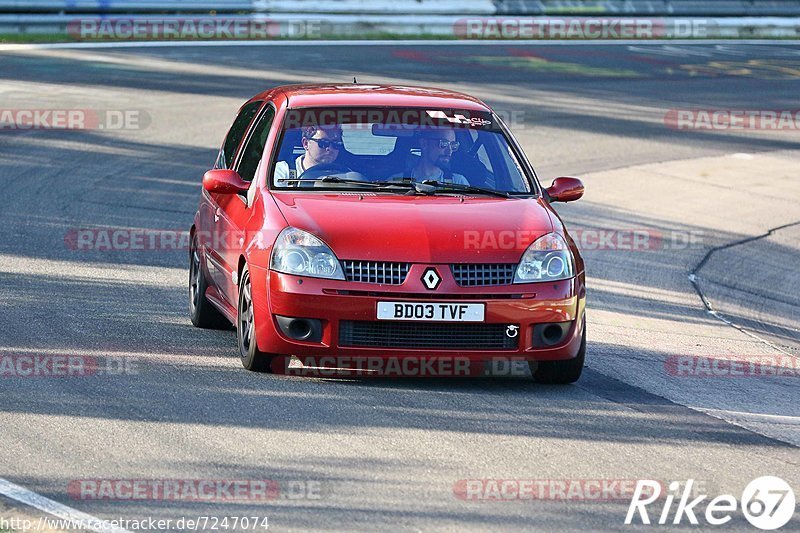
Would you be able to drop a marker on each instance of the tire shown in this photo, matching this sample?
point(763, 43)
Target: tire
point(252, 358)
point(560, 372)
point(202, 312)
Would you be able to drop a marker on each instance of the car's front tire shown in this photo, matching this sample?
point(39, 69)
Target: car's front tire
point(202, 312)
point(252, 358)
point(560, 372)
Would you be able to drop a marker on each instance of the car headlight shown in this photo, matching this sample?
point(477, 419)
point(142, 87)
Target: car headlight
point(547, 259)
point(302, 254)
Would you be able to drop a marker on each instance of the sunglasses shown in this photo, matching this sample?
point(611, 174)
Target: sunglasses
point(444, 143)
point(324, 144)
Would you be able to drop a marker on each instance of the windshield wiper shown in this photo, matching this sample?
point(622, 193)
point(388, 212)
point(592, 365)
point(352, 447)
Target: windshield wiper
point(465, 188)
point(427, 187)
point(418, 188)
point(412, 186)
point(336, 179)
point(329, 179)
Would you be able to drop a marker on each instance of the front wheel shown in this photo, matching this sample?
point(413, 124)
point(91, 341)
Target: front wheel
point(252, 358)
point(560, 372)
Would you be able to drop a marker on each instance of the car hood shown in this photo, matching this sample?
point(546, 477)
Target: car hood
point(419, 229)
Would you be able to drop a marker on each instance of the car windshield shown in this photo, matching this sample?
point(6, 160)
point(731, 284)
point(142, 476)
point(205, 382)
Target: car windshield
point(385, 148)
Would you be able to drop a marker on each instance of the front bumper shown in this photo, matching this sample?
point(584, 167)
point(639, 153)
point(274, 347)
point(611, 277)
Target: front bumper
point(333, 302)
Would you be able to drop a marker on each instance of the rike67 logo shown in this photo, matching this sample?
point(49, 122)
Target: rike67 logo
point(767, 502)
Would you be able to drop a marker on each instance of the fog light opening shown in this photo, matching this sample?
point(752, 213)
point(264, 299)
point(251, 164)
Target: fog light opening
point(299, 329)
point(552, 334)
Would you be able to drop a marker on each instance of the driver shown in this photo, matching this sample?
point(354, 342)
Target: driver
point(321, 145)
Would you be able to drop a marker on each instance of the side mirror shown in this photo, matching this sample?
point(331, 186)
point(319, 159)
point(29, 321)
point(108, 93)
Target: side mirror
point(223, 181)
point(565, 190)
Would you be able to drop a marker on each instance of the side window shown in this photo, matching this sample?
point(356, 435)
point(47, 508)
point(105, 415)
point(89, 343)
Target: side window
point(483, 157)
point(254, 149)
point(512, 176)
point(237, 131)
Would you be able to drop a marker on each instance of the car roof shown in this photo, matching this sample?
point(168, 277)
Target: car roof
point(363, 95)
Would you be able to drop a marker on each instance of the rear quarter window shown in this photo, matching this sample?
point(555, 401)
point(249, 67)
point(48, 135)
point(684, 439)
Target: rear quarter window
point(359, 140)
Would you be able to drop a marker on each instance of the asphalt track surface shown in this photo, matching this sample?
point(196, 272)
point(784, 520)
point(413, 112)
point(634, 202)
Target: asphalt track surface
point(388, 454)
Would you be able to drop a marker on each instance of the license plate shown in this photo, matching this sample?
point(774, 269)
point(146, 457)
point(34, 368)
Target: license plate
point(431, 312)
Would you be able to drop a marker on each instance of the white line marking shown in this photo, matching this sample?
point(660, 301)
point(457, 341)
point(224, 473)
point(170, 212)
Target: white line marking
point(780, 419)
point(31, 499)
point(719, 316)
point(367, 42)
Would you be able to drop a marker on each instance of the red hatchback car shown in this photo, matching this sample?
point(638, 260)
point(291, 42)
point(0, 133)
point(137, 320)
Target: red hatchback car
point(353, 222)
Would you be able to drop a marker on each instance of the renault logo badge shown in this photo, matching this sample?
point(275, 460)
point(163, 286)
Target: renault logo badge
point(431, 279)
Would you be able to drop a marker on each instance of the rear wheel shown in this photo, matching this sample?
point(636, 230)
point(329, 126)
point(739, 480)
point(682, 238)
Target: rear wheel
point(560, 372)
point(202, 312)
point(252, 358)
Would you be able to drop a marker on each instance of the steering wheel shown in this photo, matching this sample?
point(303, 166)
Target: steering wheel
point(325, 169)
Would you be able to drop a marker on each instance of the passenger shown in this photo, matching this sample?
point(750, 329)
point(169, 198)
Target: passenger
point(436, 148)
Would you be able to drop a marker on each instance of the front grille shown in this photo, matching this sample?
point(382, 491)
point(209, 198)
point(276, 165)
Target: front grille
point(447, 336)
point(478, 275)
point(381, 272)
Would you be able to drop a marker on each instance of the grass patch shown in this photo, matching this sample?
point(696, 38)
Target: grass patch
point(29, 38)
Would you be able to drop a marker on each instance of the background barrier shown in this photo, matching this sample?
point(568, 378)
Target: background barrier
point(354, 18)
